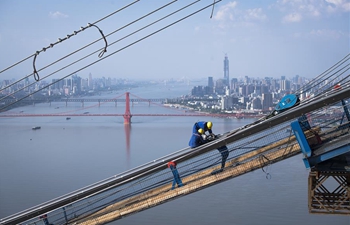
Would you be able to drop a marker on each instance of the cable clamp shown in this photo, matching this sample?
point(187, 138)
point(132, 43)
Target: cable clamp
point(103, 36)
point(35, 72)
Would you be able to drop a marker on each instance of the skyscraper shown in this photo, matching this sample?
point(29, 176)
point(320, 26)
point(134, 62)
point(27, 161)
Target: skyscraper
point(210, 88)
point(210, 82)
point(226, 71)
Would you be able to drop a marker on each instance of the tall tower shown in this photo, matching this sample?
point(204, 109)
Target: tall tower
point(226, 71)
point(127, 115)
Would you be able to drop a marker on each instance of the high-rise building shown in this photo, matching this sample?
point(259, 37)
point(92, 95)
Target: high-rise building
point(226, 71)
point(210, 82)
point(210, 85)
point(267, 101)
point(90, 84)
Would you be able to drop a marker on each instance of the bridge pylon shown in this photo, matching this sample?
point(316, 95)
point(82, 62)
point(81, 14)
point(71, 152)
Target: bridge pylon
point(127, 115)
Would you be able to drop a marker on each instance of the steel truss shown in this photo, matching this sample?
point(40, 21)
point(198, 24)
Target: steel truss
point(324, 201)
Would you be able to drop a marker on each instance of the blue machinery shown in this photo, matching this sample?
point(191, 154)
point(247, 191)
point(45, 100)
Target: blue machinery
point(327, 155)
point(321, 121)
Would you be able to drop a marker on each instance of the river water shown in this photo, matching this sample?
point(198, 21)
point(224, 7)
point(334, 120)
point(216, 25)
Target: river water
point(65, 155)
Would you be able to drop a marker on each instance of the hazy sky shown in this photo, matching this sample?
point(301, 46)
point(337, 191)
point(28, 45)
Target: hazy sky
point(261, 38)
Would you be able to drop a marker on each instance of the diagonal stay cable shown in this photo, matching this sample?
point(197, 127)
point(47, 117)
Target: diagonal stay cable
point(95, 42)
point(104, 37)
point(68, 36)
point(36, 75)
point(125, 47)
point(96, 50)
point(320, 78)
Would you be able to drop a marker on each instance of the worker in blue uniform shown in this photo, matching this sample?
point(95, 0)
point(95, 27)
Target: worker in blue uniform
point(197, 138)
point(206, 126)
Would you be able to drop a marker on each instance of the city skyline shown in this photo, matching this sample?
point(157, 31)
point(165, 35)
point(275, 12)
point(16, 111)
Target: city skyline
point(261, 39)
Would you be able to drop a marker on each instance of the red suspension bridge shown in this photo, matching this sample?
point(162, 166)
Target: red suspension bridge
point(127, 114)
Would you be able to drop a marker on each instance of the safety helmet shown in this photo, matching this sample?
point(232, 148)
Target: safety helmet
point(200, 131)
point(209, 125)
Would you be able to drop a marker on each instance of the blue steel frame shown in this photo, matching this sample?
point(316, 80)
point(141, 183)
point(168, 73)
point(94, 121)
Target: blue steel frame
point(311, 160)
point(304, 145)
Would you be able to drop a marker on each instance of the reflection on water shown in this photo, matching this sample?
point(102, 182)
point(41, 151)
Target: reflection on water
point(127, 129)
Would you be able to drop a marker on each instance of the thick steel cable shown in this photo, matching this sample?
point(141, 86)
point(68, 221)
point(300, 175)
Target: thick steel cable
point(72, 53)
point(329, 89)
point(313, 84)
point(92, 202)
point(18, 90)
point(68, 36)
point(320, 78)
point(334, 76)
point(151, 186)
point(96, 50)
point(141, 39)
point(159, 183)
point(36, 75)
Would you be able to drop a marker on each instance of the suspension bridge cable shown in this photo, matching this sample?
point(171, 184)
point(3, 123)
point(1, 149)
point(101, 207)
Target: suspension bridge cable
point(68, 36)
point(36, 76)
point(125, 47)
point(311, 83)
point(327, 87)
point(18, 90)
point(96, 50)
point(328, 90)
point(72, 53)
point(335, 76)
point(317, 82)
point(320, 78)
point(147, 187)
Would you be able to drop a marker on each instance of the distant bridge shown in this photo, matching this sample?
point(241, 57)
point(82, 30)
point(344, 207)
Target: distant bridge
point(103, 100)
point(237, 115)
point(127, 115)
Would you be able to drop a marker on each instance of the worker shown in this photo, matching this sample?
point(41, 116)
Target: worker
point(206, 126)
point(197, 138)
point(200, 137)
point(177, 179)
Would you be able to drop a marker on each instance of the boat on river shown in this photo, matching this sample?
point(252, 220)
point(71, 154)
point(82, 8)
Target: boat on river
point(36, 128)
